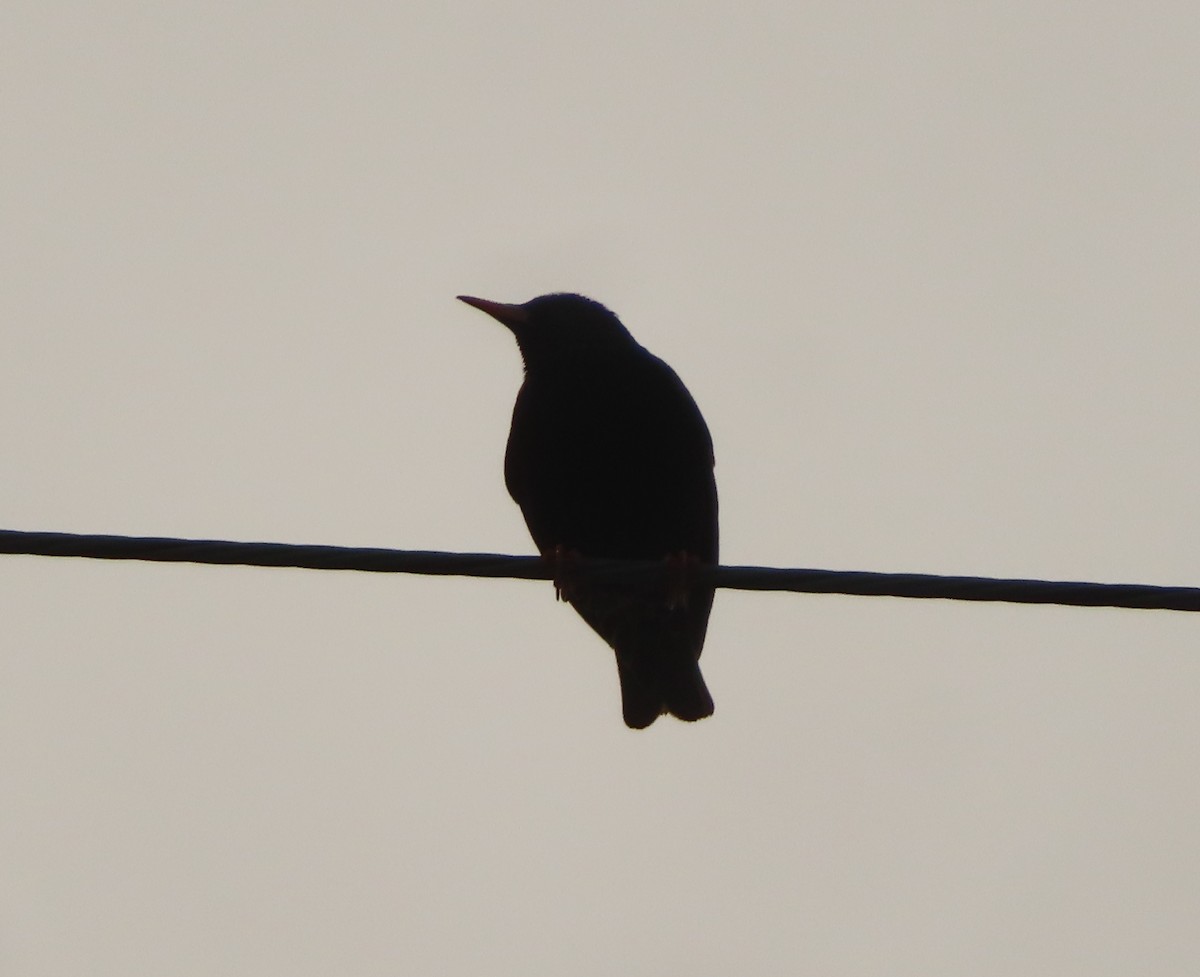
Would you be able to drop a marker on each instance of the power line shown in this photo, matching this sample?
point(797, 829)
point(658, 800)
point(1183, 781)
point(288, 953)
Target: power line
point(378, 560)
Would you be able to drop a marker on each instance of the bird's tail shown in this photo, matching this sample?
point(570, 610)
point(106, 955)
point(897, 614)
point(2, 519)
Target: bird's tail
point(651, 688)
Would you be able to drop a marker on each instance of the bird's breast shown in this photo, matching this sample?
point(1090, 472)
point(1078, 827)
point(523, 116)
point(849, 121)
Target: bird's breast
point(613, 465)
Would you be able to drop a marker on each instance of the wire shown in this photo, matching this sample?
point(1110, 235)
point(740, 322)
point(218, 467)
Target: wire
point(377, 560)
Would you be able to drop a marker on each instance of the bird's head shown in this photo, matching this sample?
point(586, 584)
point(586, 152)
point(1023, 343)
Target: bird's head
point(552, 329)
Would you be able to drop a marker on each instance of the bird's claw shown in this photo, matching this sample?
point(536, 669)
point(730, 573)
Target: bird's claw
point(680, 566)
point(566, 582)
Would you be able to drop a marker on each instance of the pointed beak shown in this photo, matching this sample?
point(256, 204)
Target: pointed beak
point(512, 316)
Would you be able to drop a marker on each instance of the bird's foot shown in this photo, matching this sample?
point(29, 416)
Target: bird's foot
point(566, 578)
point(680, 567)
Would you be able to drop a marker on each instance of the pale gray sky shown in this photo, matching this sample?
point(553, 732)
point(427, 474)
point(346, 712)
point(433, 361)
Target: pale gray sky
point(929, 269)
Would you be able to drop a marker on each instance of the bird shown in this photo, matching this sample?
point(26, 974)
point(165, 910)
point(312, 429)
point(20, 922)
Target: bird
point(609, 457)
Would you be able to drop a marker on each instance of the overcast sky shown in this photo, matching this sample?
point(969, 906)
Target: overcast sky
point(930, 271)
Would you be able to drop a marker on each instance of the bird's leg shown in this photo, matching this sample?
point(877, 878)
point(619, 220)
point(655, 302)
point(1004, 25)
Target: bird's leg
point(563, 561)
point(680, 566)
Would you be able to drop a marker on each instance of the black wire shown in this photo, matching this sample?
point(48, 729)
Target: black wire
point(378, 560)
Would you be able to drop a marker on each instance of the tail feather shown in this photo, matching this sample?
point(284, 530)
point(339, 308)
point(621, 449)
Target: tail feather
point(686, 695)
point(649, 690)
point(657, 650)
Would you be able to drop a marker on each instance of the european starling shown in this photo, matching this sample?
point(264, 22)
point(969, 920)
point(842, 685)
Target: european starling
point(609, 457)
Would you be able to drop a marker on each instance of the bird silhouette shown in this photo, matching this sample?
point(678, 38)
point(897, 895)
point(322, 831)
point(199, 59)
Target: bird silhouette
point(609, 457)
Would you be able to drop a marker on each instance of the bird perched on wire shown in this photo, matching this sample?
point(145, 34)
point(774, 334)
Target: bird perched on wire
point(609, 457)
